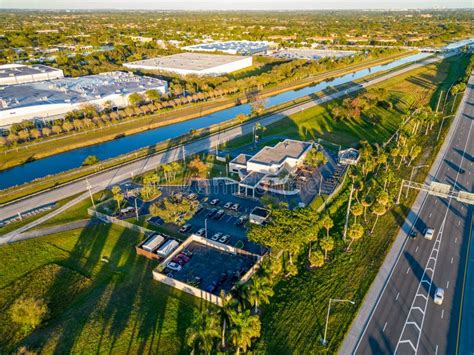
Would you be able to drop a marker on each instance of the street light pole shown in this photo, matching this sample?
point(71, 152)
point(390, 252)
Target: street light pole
point(205, 227)
point(89, 187)
point(324, 342)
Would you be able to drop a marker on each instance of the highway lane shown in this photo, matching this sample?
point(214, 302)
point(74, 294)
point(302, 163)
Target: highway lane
point(107, 178)
point(406, 320)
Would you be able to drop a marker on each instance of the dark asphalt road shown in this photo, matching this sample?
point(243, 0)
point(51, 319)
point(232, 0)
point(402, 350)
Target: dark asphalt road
point(406, 320)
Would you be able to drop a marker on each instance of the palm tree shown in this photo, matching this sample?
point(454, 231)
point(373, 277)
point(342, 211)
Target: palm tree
point(245, 327)
point(203, 331)
point(356, 231)
point(327, 244)
point(117, 195)
point(367, 202)
point(228, 304)
point(316, 259)
point(383, 198)
point(327, 223)
point(379, 210)
point(357, 210)
point(259, 290)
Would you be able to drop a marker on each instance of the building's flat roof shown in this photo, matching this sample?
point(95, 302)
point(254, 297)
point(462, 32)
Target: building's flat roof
point(241, 159)
point(253, 179)
point(241, 47)
point(261, 212)
point(311, 54)
point(188, 61)
point(12, 70)
point(289, 148)
point(75, 90)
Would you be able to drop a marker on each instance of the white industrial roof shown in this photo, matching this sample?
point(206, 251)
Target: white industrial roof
point(186, 61)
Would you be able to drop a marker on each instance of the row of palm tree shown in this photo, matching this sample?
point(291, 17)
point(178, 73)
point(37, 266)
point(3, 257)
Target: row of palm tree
point(236, 323)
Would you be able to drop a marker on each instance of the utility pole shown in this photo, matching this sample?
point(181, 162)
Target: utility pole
point(89, 187)
point(136, 208)
point(348, 212)
point(439, 99)
point(400, 192)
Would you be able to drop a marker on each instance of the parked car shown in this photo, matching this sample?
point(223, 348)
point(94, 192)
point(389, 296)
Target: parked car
point(439, 296)
point(429, 232)
point(228, 205)
point(185, 228)
point(219, 214)
point(216, 236)
point(183, 257)
point(199, 209)
point(211, 288)
point(413, 234)
point(201, 232)
point(242, 220)
point(178, 260)
point(187, 252)
point(235, 207)
point(224, 239)
point(214, 202)
point(212, 212)
point(223, 278)
point(192, 196)
point(174, 266)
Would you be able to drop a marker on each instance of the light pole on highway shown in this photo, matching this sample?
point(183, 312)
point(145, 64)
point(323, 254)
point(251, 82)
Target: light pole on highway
point(411, 174)
point(89, 187)
point(205, 227)
point(324, 341)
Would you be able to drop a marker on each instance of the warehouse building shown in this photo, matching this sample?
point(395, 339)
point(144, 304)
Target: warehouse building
point(194, 63)
point(53, 98)
point(232, 47)
point(11, 74)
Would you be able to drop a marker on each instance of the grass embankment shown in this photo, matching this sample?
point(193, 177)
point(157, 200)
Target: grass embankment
point(94, 306)
point(295, 319)
point(55, 145)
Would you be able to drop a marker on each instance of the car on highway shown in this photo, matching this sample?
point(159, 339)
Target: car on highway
point(413, 234)
point(429, 232)
point(439, 296)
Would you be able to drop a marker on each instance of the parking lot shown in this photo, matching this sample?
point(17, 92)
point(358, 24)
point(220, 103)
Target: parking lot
point(210, 269)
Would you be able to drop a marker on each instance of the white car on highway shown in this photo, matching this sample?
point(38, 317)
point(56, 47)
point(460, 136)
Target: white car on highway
point(439, 296)
point(429, 232)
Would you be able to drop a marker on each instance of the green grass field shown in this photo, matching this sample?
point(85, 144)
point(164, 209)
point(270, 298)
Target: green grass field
point(116, 307)
point(94, 306)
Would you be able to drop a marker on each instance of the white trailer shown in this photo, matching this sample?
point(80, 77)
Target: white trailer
point(153, 242)
point(167, 248)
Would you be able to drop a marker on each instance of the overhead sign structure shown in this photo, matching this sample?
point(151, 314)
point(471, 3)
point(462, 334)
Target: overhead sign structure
point(466, 197)
point(439, 189)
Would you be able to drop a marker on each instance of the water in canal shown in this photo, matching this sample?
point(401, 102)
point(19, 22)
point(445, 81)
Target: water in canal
point(74, 158)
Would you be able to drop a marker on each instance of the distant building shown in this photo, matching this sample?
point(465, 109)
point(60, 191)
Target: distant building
point(11, 74)
point(348, 156)
point(52, 98)
point(232, 47)
point(194, 63)
point(270, 166)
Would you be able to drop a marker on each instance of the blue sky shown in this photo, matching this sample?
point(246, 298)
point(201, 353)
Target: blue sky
point(233, 5)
